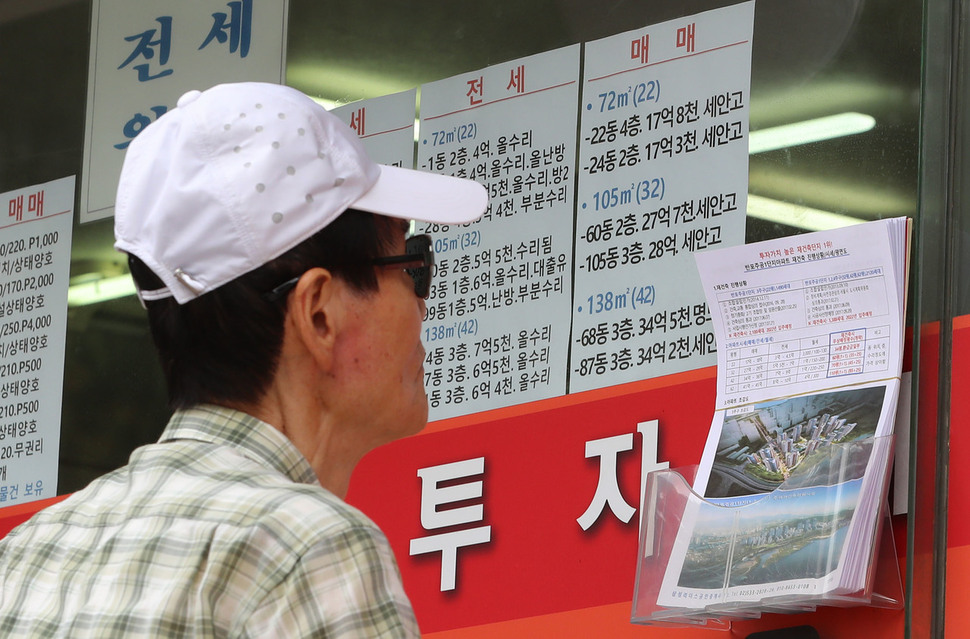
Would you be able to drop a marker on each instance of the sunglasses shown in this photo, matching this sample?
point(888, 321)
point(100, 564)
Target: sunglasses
point(418, 262)
point(417, 249)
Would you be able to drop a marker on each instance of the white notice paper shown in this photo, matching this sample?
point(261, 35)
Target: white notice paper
point(497, 326)
point(146, 54)
point(810, 336)
point(663, 173)
point(385, 126)
point(35, 263)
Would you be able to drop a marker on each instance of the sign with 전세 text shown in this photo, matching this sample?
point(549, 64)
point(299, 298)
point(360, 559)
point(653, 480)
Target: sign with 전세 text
point(497, 325)
point(385, 126)
point(146, 54)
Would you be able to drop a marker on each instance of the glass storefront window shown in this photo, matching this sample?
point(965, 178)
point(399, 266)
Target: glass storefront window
point(811, 59)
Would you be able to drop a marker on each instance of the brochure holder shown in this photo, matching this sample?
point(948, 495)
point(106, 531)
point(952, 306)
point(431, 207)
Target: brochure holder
point(670, 505)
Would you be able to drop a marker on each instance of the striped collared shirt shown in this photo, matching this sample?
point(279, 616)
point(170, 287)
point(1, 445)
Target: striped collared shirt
point(218, 530)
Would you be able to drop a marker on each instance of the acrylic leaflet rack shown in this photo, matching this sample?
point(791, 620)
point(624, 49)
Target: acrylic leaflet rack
point(822, 538)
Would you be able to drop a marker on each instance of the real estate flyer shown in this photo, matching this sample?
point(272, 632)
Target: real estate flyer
point(810, 335)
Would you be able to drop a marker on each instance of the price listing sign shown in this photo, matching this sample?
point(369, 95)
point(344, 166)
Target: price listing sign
point(385, 126)
point(146, 54)
point(663, 172)
point(497, 324)
point(35, 261)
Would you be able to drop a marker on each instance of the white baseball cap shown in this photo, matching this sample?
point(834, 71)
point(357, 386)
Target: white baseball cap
point(236, 175)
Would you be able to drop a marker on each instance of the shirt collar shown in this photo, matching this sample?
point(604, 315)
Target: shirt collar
point(256, 439)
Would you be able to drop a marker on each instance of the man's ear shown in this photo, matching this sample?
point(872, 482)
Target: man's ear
point(314, 314)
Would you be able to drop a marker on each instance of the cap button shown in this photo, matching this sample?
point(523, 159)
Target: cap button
point(188, 98)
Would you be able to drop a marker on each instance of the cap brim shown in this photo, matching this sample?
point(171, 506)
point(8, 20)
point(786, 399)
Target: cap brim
point(424, 196)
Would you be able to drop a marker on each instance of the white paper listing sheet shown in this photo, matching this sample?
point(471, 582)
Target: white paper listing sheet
point(146, 54)
point(35, 261)
point(497, 327)
point(663, 172)
point(811, 332)
point(385, 126)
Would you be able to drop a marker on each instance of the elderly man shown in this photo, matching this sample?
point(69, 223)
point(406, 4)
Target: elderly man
point(285, 301)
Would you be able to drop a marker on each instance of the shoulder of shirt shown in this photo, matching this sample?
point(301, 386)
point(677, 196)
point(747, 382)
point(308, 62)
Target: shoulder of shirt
point(247, 497)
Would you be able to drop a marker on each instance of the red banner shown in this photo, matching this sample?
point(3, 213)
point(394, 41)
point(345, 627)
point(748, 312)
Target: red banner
point(506, 496)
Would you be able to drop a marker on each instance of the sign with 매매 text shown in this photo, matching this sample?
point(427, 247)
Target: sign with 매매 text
point(35, 260)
